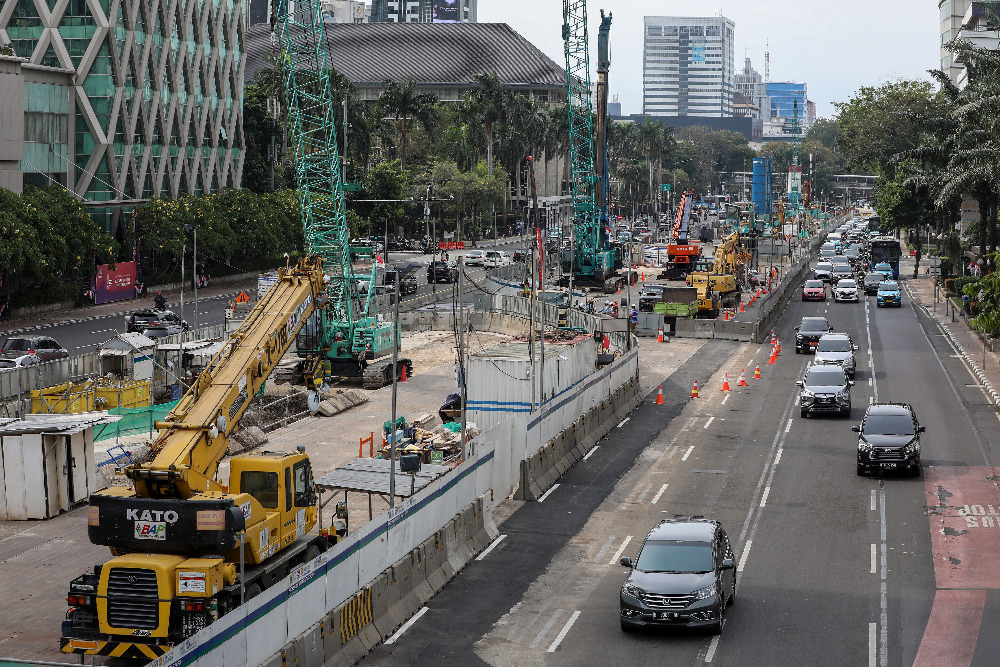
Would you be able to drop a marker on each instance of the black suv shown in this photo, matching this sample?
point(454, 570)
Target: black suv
point(825, 388)
point(441, 272)
point(407, 283)
point(45, 348)
point(683, 576)
point(889, 439)
point(808, 333)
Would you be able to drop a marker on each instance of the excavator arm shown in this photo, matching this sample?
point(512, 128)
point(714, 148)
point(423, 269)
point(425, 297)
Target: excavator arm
point(193, 437)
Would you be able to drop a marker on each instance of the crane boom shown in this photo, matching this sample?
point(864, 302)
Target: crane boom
point(187, 454)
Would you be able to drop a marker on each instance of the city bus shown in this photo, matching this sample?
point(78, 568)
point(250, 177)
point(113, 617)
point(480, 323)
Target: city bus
point(885, 249)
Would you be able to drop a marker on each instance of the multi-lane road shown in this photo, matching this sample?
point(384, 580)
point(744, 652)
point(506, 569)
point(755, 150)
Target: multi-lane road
point(833, 568)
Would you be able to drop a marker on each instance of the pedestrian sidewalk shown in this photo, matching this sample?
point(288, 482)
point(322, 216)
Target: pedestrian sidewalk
point(985, 363)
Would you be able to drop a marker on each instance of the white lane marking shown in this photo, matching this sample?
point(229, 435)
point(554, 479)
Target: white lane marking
point(777, 457)
point(871, 400)
point(546, 494)
point(870, 382)
point(883, 649)
point(642, 496)
point(788, 426)
point(725, 399)
point(621, 550)
point(874, 558)
point(622, 422)
point(562, 633)
point(406, 626)
point(709, 422)
point(763, 498)
point(687, 453)
point(591, 452)
point(545, 630)
point(658, 494)
point(874, 501)
point(673, 451)
point(712, 647)
point(691, 423)
point(607, 545)
point(490, 548)
point(743, 558)
point(872, 643)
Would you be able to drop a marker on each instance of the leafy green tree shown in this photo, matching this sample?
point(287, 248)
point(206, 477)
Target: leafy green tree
point(407, 107)
point(824, 131)
point(492, 103)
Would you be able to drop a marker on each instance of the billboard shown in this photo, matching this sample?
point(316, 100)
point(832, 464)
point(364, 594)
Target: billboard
point(446, 11)
point(116, 285)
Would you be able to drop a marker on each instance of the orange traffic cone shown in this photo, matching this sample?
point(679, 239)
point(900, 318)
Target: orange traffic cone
point(725, 317)
point(743, 308)
point(756, 373)
point(659, 396)
point(694, 390)
point(402, 377)
point(757, 293)
point(743, 379)
point(774, 356)
point(725, 383)
point(777, 346)
point(659, 336)
point(773, 338)
point(644, 275)
point(619, 288)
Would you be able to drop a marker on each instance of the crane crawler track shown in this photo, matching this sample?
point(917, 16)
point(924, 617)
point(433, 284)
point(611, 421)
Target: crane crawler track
point(379, 374)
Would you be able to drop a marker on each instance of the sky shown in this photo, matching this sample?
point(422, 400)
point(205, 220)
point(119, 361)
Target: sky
point(834, 47)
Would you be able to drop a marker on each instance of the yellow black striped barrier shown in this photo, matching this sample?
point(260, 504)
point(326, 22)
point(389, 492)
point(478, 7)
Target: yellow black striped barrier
point(355, 614)
point(114, 649)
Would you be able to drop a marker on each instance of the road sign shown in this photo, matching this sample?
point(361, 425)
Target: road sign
point(934, 271)
point(666, 187)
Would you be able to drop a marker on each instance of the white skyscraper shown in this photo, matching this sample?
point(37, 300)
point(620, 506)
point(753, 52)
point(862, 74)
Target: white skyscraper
point(688, 66)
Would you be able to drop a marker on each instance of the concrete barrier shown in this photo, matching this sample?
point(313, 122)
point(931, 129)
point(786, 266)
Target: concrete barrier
point(540, 470)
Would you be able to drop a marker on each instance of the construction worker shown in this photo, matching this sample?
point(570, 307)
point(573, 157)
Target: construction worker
point(633, 318)
point(614, 310)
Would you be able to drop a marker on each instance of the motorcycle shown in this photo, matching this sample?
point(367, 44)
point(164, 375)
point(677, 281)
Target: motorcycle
point(160, 302)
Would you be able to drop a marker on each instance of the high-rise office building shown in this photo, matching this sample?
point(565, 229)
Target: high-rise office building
point(751, 84)
point(688, 66)
point(123, 102)
point(952, 17)
point(424, 11)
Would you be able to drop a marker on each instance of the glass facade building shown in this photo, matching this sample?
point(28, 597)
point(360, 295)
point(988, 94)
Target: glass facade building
point(687, 66)
point(156, 108)
point(788, 100)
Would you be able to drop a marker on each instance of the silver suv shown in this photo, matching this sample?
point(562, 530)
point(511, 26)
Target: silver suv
point(825, 388)
point(837, 349)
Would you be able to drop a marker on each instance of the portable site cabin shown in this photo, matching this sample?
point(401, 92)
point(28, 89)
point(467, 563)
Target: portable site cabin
point(47, 464)
point(128, 356)
point(178, 364)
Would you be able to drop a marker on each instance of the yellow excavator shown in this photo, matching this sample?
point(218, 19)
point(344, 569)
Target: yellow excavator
point(721, 288)
point(188, 547)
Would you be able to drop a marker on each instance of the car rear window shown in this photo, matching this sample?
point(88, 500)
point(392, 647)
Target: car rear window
point(834, 345)
point(17, 345)
point(888, 425)
point(814, 324)
point(675, 556)
point(824, 266)
point(825, 377)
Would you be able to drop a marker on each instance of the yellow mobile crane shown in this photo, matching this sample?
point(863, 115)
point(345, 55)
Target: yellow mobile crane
point(177, 533)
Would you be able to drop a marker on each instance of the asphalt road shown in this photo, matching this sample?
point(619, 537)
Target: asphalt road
point(79, 334)
point(834, 569)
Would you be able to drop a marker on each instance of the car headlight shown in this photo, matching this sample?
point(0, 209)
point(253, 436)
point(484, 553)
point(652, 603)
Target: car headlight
point(632, 590)
point(703, 593)
point(846, 393)
point(911, 449)
point(864, 445)
point(805, 393)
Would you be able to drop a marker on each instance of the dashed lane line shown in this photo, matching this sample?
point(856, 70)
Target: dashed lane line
point(546, 494)
point(545, 629)
point(406, 626)
point(659, 493)
point(562, 633)
point(621, 550)
point(490, 548)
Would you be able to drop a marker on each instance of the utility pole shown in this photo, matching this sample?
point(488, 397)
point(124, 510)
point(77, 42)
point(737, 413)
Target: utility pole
point(461, 356)
point(395, 386)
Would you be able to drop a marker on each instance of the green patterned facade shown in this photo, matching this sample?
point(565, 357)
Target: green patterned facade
point(156, 106)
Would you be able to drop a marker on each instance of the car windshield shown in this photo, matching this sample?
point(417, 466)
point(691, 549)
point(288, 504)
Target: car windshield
point(888, 425)
point(17, 345)
point(825, 377)
point(815, 284)
point(888, 287)
point(834, 345)
point(675, 556)
point(873, 278)
point(824, 266)
point(846, 283)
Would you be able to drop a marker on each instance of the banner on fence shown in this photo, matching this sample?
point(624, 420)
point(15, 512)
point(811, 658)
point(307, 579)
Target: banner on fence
point(114, 285)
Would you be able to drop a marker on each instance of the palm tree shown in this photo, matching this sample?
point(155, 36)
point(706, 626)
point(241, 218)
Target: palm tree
point(404, 104)
point(492, 101)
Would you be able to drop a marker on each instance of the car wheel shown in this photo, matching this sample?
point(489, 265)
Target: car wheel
point(861, 470)
point(627, 627)
point(717, 628)
point(804, 414)
point(798, 351)
point(732, 596)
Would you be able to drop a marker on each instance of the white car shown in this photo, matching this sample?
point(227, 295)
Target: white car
point(475, 258)
point(846, 290)
point(497, 258)
point(23, 361)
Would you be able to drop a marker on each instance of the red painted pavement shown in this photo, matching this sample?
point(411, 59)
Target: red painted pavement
point(952, 630)
point(963, 509)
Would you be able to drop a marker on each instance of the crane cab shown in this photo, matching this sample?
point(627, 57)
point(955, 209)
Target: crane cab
point(282, 483)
